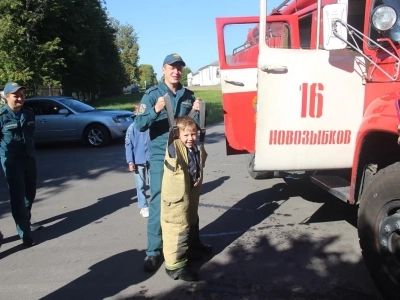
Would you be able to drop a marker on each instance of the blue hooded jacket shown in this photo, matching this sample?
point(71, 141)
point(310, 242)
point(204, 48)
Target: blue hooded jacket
point(136, 145)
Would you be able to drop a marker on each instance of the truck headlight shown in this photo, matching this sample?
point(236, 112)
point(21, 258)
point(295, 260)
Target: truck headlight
point(384, 17)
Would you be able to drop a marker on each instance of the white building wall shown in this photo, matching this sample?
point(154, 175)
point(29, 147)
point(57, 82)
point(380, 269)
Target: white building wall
point(196, 79)
point(208, 75)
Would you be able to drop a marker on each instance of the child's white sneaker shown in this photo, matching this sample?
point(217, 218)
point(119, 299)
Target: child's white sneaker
point(144, 212)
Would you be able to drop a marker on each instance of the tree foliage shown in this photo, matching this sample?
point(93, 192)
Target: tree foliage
point(185, 72)
point(52, 42)
point(25, 55)
point(147, 75)
point(128, 48)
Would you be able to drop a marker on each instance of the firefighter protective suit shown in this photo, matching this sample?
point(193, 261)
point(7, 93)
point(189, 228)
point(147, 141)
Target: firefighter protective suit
point(180, 200)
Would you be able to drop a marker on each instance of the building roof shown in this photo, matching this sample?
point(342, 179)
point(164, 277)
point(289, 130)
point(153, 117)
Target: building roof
point(216, 63)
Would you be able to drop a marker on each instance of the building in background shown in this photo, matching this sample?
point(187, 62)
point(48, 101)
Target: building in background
point(207, 75)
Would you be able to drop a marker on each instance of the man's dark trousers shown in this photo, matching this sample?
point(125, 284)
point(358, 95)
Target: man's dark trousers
point(21, 176)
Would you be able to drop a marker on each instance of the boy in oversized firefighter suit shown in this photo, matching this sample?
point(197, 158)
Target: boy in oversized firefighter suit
point(152, 116)
point(180, 193)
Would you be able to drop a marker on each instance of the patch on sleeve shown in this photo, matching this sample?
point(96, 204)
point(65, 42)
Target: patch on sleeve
point(142, 109)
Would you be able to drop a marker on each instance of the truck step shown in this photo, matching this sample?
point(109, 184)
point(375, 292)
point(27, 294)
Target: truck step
point(334, 185)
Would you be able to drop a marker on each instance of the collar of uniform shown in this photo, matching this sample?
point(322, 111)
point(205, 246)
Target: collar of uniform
point(9, 110)
point(179, 91)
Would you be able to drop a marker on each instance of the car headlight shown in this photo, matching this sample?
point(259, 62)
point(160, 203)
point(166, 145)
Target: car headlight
point(384, 17)
point(121, 119)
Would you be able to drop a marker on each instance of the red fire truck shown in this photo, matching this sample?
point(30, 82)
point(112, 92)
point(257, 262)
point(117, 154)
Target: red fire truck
point(314, 86)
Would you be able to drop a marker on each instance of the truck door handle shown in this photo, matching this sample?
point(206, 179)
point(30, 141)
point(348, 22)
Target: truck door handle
point(238, 83)
point(274, 69)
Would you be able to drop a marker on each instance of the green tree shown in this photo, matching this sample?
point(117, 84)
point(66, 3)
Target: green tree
point(128, 48)
point(185, 72)
point(25, 55)
point(57, 41)
point(146, 75)
point(89, 51)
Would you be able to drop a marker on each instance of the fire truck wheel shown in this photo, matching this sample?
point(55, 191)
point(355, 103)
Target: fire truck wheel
point(255, 174)
point(379, 230)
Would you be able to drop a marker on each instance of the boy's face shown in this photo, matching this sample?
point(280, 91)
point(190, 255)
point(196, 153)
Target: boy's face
point(188, 136)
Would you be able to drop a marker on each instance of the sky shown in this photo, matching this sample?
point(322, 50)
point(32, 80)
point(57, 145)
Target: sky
point(185, 27)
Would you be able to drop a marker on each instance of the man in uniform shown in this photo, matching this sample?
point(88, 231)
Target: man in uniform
point(17, 154)
point(153, 116)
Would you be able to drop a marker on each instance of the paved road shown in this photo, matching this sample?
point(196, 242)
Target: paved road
point(275, 239)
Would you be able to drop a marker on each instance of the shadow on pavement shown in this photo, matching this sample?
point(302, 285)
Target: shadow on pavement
point(105, 278)
point(299, 266)
point(213, 138)
point(73, 220)
point(332, 209)
point(241, 217)
point(10, 239)
point(12, 250)
point(212, 185)
point(58, 164)
point(76, 219)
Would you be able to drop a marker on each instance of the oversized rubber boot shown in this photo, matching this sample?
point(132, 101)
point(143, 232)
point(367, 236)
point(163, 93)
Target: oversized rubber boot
point(196, 248)
point(192, 253)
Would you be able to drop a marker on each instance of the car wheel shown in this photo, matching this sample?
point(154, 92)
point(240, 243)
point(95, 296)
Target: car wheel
point(96, 135)
point(255, 174)
point(379, 230)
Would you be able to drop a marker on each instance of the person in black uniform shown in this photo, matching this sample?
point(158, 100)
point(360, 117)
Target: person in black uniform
point(17, 155)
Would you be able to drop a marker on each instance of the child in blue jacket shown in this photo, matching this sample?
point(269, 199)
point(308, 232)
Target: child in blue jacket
point(137, 157)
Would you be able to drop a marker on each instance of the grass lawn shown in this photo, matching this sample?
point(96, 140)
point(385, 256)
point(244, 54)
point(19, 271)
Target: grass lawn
point(213, 99)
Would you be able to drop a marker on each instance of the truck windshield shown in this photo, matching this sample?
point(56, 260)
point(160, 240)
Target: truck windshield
point(394, 33)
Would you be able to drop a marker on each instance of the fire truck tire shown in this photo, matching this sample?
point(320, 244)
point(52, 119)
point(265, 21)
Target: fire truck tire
point(379, 230)
point(255, 174)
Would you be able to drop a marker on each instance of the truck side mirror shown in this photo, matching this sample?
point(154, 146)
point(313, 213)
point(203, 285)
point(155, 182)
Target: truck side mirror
point(332, 12)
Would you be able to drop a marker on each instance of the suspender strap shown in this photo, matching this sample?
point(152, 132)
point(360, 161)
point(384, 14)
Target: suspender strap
point(192, 114)
point(169, 166)
point(170, 114)
point(170, 111)
point(202, 120)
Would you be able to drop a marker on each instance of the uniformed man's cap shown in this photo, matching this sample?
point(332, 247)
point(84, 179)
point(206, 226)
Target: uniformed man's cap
point(173, 58)
point(12, 87)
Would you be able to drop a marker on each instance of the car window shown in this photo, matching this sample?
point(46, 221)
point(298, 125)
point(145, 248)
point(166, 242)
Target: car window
point(48, 107)
point(35, 106)
point(76, 105)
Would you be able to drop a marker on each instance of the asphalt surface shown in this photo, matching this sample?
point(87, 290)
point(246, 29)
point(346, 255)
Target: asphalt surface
point(273, 239)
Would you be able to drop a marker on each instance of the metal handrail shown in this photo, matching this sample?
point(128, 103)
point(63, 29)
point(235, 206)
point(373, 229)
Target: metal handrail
point(284, 3)
point(245, 46)
point(355, 33)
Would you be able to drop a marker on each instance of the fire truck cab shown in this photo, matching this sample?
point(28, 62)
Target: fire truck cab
point(314, 86)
